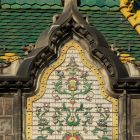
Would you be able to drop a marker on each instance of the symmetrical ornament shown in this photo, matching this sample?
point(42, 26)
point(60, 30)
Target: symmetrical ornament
point(7, 59)
point(71, 102)
point(133, 15)
point(70, 24)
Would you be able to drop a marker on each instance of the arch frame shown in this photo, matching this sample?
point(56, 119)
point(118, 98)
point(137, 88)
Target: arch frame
point(69, 24)
point(42, 87)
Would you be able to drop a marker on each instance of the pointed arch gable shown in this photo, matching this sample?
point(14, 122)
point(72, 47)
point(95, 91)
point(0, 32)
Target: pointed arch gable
point(45, 95)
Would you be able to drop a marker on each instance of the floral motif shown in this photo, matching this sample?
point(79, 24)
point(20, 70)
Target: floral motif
point(71, 110)
point(72, 136)
point(102, 122)
point(43, 123)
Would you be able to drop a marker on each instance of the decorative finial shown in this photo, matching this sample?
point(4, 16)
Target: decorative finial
point(78, 2)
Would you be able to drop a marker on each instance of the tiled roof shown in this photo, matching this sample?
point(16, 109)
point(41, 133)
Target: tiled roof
point(46, 3)
point(20, 27)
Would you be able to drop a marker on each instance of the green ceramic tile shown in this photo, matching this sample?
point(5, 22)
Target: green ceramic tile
point(45, 4)
point(19, 27)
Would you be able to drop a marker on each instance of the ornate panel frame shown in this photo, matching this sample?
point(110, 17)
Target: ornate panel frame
point(42, 87)
point(69, 25)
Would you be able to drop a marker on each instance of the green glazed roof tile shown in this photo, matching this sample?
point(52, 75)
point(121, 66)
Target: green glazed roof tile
point(20, 27)
point(45, 4)
point(58, 2)
point(100, 3)
point(16, 6)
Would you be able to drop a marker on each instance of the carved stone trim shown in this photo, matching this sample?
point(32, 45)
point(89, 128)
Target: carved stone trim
point(67, 26)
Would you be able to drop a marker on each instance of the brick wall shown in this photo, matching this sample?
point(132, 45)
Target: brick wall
point(6, 118)
point(10, 118)
point(135, 119)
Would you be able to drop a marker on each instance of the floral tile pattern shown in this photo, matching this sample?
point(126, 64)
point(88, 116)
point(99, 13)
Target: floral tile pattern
point(72, 106)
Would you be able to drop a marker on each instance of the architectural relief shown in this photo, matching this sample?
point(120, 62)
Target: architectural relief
point(74, 103)
point(5, 125)
point(72, 85)
point(9, 64)
point(131, 13)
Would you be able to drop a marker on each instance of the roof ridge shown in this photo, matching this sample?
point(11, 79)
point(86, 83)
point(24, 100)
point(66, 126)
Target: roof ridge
point(56, 6)
point(25, 28)
point(88, 3)
point(30, 4)
point(59, 4)
point(97, 5)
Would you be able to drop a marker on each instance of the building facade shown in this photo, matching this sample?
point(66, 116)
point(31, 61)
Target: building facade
point(79, 79)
